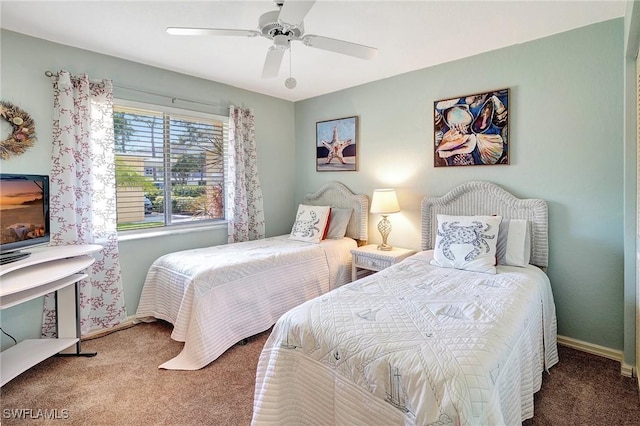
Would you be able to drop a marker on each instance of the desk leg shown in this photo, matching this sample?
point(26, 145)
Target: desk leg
point(68, 315)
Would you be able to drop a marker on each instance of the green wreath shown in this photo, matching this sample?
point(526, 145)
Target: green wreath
point(23, 134)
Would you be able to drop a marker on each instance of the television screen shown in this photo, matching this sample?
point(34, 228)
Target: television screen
point(24, 211)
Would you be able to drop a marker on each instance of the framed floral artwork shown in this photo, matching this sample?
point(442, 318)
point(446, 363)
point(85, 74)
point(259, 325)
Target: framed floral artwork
point(336, 145)
point(472, 130)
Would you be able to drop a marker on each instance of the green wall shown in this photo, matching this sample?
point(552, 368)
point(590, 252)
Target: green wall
point(22, 82)
point(566, 135)
point(566, 141)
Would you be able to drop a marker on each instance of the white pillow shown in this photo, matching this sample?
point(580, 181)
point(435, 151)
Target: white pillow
point(338, 222)
point(467, 242)
point(514, 242)
point(310, 224)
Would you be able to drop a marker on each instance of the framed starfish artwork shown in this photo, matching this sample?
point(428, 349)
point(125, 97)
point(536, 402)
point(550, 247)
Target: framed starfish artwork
point(472, 130)
point(336, 145)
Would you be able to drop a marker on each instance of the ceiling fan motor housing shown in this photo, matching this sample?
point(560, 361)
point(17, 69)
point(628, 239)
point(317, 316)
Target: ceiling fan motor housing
point(271, 27)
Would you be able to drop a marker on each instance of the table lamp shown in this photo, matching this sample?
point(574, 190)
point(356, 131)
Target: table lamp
point(384, 202)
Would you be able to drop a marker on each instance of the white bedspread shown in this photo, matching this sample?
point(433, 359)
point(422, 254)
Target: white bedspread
point(412, 345)
point(217, 296)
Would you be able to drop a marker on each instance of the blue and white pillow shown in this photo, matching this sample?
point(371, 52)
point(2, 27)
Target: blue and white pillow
point(310, 224)
point(467, 242)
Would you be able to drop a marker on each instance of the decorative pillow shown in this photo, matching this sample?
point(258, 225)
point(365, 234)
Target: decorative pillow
point(467, 242)
point(514, 242)
point(327, 225)
point(310, 224)
point(338, 222)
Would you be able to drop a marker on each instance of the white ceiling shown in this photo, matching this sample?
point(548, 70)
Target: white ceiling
point(409, 35)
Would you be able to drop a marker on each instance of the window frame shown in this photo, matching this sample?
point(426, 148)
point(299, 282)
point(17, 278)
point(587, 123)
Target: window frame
point(181, 227)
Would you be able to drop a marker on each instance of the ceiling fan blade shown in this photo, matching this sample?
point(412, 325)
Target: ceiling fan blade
point(294, 11)
point(211, 31)
point(272, 62)
point(340, 46)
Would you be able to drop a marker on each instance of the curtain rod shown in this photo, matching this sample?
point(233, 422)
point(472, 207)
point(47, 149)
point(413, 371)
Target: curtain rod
point(173, 98)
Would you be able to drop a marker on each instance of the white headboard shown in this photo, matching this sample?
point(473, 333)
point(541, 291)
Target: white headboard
point(335, 194)
point(486, 198)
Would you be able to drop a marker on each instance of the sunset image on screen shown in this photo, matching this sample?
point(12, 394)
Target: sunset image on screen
point(19, 194)
point(21, 211)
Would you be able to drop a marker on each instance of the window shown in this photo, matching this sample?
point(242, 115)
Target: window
point(169, 165)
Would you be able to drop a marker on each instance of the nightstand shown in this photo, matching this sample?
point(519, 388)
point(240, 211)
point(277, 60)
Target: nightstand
point(369, 258)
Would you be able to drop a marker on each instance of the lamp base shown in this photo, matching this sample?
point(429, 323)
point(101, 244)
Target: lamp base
point(384, 226)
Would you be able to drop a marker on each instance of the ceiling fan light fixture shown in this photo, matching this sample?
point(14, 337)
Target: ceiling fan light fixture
point(281, 41)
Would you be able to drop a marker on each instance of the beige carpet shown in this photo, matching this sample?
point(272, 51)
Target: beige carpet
point(123, 386)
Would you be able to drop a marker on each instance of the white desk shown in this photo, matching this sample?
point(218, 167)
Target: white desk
point(46, 270)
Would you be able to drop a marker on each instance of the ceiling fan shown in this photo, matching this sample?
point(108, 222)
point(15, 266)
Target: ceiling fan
point(284, 26)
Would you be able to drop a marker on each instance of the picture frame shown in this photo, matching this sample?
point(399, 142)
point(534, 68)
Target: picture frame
point(337, 145)
point(472, 130)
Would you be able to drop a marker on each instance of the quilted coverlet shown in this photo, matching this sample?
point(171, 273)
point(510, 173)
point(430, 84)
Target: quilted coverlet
point(414, 344)
point(217, 296)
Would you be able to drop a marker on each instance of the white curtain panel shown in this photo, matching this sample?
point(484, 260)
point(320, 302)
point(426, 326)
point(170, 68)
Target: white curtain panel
point(244, 206)
point(83, 196)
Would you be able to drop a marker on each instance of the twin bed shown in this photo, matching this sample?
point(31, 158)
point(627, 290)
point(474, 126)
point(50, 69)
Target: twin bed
point(443, 337)
point(420, 344)
point(217, 296)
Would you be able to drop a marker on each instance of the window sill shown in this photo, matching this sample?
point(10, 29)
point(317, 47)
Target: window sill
point(169, 230)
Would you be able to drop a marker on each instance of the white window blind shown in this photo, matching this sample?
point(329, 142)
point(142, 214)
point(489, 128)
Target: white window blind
point(169, 165)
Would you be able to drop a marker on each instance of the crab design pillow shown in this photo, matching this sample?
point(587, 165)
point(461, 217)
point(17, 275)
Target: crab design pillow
point(467, 242)
point(310, 224)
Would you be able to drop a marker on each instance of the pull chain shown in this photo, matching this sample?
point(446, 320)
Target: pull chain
point(291, 82)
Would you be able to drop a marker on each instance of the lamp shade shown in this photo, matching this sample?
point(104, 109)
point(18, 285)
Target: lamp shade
point(384, 201)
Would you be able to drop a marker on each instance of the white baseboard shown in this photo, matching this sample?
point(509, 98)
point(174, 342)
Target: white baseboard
point(128, 322)
point(591, 348)
point(627, 370)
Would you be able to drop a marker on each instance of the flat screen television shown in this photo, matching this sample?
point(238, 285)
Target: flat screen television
point(24, 214)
